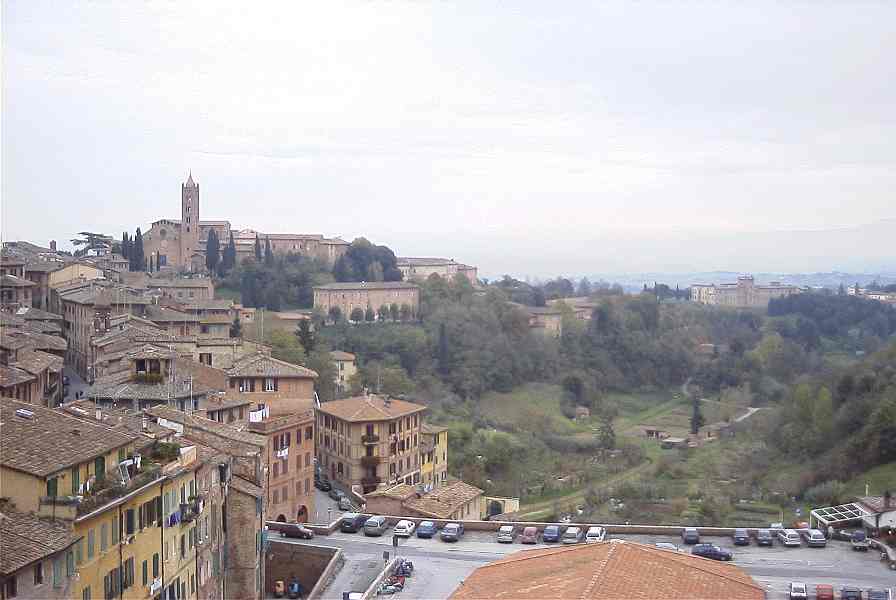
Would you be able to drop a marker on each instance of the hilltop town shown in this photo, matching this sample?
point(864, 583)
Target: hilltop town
point(198, 411)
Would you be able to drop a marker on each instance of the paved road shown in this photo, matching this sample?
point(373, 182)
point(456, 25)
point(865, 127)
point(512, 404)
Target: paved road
point(440, 567)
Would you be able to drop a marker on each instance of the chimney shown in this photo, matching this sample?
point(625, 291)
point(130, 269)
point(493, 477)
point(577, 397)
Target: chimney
point(99, 413)
point(53, 245)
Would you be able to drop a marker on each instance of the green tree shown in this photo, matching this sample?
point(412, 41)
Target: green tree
point(393, 312)
point(605, 433)
point(405, 312)
point(442, 351)
point(357, 314)
point(383, 313)
point(286, 347)
point(236, 328)
point(228, 257)
point(258, 256)
point(697, 419)
point(212, 251)
point(268, 253)
point(335, 314)
point(306, 335)
point(138, 261)
point(322, 363)
point(369, 315)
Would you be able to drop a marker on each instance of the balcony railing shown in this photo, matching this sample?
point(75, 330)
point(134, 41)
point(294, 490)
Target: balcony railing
point(370, 438)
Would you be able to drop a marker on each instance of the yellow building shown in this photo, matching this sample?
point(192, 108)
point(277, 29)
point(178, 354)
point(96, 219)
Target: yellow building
point(133, 501)
point(433, 455)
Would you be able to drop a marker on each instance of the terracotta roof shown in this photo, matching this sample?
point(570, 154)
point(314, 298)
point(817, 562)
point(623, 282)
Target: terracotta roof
point(185, 282)
point(246, 487)
point(24, 441)
point(608, 570)
point(44, 266)
point(162, 314)
point(112, 388)
point(236, 433)
point(368, 285)
point(340, 355)
point(13, 281)
point(369, 408)
point(262, 365)
point(442, 502)
point(18, 338)
point(26, 539)
point(402, 491)
point(30, 313)
point(35, 361)
point(10, 376)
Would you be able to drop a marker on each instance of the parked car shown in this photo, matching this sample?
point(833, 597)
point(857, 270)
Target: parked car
point(551, 534)
point(815, 538)
point(798, 591)
point(295, 530)
point(572, 535)
point(506, 534)
point(878, 595)
point(426, 529)
point(666, 546)
point(335, 494)
point(859, 541)
point(352, 522)
point(789, 537)
point(823, 591)
point(741, 537)
point(375, 526)
point(711, 551)
point(595, 534)
point(404, 528)
point(850, 593)
point(323, 485)
point(529, 535)
point(345, 503)
point(690, 535)
point(764, 537)
point(452, 532)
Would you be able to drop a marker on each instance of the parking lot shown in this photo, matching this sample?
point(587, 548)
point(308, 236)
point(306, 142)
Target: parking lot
point(441, 566)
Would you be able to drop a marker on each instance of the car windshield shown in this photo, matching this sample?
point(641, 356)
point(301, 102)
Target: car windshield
point(858, 536)
point(506, 529)
point(551, 529)
point(450, 528)
point(426, 524)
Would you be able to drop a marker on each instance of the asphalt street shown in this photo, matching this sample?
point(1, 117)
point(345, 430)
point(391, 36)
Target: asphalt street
point(440, 566)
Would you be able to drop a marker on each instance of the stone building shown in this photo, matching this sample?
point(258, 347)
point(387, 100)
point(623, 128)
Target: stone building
point(366, 294)
point(345, 369)
point(420, 269)
point(179, 244)
point(543, 320)
point(368, 440)
point(743, 294)
point(453, 501)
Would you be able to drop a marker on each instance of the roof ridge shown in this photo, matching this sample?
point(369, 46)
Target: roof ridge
point(599, 571)
point(530, 554)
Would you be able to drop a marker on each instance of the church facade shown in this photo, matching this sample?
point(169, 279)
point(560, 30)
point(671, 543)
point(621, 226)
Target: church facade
point(179, 244)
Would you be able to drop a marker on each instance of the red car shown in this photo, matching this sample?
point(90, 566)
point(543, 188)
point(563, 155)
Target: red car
point(530, 536)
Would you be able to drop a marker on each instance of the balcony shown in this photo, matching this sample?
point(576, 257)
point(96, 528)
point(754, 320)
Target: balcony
point(370, 438)
point(371, 461)
point(257, 416)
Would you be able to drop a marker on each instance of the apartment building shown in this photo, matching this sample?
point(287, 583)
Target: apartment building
point(282, 387)
point(433, 455)
point(345, 369)
point(743, 294)
point(368, 440)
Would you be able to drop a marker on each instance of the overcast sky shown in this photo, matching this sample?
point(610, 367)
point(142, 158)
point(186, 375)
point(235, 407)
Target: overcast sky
point(533, 138)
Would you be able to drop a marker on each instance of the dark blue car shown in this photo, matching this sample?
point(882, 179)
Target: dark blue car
point(711, 551)
point(426, 529)
point(551, 533)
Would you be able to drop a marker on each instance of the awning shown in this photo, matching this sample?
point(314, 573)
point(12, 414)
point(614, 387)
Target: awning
point(836, 515)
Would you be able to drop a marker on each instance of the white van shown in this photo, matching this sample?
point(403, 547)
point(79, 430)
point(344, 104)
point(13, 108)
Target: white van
point(789, 537)
point(595, 534)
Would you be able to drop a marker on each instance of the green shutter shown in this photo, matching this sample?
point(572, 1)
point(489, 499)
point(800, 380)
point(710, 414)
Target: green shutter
point(76, 480)
point(91, 542)
point(104, 537)
point(114, 529)
point(52, 487)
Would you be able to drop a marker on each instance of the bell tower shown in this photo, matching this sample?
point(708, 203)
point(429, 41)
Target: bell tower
point(189, 222)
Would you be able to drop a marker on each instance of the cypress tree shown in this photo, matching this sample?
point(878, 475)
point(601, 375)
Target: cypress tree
point(212, 251)
point(268, 253)
point(257, 249)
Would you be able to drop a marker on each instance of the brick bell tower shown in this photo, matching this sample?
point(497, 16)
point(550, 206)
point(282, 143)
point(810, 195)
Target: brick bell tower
point(189, 222)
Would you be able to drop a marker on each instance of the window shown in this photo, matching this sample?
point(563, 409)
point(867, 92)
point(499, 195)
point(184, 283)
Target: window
point(270, 384)
point(76, 481)
point(79, 551)
point(10, 587)
point(69, 563)
point(38, 573)
point(276, 496)
point(307, 486)
point(130, 521)
point(286, 493)
point(155, 565)
point(144, 573)
point(183, 546)
point(309, 433)
point(307, 459)
point(85, 593)
point(91, 543)
point(276, 469)
point(52, 487)
point(104, 537)
point(284, 469)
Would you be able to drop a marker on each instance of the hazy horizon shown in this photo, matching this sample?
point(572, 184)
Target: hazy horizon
point(611, 138)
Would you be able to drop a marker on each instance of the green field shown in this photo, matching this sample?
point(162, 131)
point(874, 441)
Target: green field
point(879, 479)
point(530, 406)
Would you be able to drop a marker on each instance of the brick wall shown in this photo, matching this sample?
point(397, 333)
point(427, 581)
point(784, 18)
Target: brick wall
point(304, 561)
point(243, 559)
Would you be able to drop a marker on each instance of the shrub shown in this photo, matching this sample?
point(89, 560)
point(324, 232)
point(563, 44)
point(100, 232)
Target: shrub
point(827, 493)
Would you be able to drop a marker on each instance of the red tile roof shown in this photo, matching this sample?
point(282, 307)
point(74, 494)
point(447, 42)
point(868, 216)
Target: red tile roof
point(609, 570)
